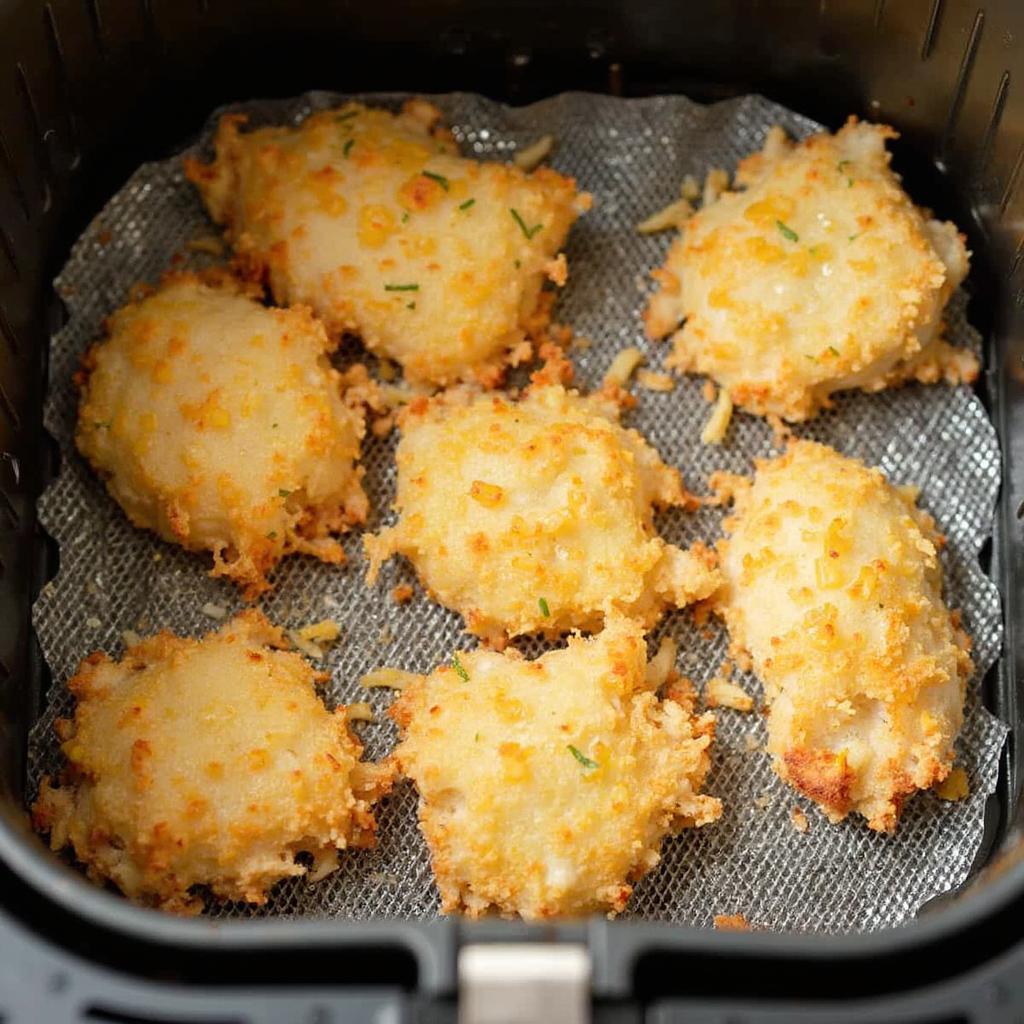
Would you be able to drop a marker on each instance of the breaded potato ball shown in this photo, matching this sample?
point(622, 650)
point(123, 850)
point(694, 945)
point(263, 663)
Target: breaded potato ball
point(537, 514)
point(833, 588)
point(820, 275)
point(375, 221)
point(546, 787)
point(207, 762)
point(222, 426)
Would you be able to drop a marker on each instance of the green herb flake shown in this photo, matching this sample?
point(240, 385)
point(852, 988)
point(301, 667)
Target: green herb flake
point(347, 148)
point(849, 182)
point(582, 758)
point(787, 231)
point(834, 350)
point(457, 665)
point(272, 535)
point(283, 492)
point(853, 238)
point(528, 232)
point(401, 287)
point(410, 305)
point(476, 738)
point(347, 116)
point(544, 609)
point(439, 178)
point(405, 217)
point(812, 358)
point(467, 204)
point(842, 165)
point(274, 426)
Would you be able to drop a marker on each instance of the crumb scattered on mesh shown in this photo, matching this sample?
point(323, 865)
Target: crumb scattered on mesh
point(763, 801)
point(718, 422)
point(798, 819)
point(731, 923)
point(751, 744)
point(213, 611)
point(654, 381)
point(359, 712)
point(716, 182)
point(954, 786)
point(402, 594)
point(530, 158)
point(623, 365)
point(720, 693)
point(389, 678)
point(212, 245)
point(673, 216)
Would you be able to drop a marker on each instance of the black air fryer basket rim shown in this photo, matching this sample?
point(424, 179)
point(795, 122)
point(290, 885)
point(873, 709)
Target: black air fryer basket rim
point(617, 943)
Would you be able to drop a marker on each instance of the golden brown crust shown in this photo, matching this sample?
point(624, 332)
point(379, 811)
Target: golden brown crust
point(221, 425)
point(546, 787)
point(820, 275)
point(833, 588)
point(206, 762)
point(376, 222)
point(537, 515)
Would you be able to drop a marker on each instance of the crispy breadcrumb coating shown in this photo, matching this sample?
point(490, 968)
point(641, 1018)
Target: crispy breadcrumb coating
point(820, 275)
point(207, 762)
point(220, 425)
point(546, 787)
point(537, 514)
point(375, 221)
point(833, 587)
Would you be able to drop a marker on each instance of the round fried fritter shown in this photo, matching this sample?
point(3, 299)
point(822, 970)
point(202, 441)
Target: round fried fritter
point(537, 515)
point(546, 787)
point(833, 586)
point(221, 425)
point(820, 275)
point(375, 221)
point(209, 762)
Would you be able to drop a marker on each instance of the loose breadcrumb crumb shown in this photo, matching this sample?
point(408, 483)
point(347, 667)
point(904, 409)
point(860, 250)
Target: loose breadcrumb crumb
point(210, 244)
point(675, 215)
point(718, 423)
point(325, 631)
point(359, 712)
point(530, 158)
point(655, 381)
point(715, 184)
point(720, 693)
point(213, 611)
point(954, 786)
point(763, 801)
point(130, 637)
point(799, 819)
point(623, 366)
point(690, 188)
point(402, 594)
point(751, 744)
point(391, 678)
point(731, 923)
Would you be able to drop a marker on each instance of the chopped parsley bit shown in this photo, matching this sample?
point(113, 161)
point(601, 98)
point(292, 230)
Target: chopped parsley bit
point(476, 738)
point(401, 287)
point(853, 238)
point(849, 182)
point(787, 231)
point(812, 358)
point(102, 424)
point(544, 609)
point(528, 232)
point(410, 305)
point(283, 492)
point(273, 426)
point(439, 178)
point(517, 264)
point(347, 116)
point(272, 535)
point(582, 758)
point(405, 216)
point(842, 165)
point(457, 665)
point(348, 147)
point(467, 204)
point(880, 605)
point(833, 350)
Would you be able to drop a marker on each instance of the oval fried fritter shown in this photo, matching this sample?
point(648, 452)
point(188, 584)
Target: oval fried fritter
point(546, 787)
point(220, 425)
point(833, 586)
point(537, 515)
point(207, 762)
point(820, 275)
point(375, 221)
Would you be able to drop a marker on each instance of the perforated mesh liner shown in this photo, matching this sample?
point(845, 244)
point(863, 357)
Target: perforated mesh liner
point(631, 154)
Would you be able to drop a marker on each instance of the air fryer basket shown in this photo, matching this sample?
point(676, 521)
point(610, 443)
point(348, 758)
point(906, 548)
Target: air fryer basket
point(88, 90)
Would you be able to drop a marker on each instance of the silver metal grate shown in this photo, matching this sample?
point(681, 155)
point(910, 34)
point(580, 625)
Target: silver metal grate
point(631, 154)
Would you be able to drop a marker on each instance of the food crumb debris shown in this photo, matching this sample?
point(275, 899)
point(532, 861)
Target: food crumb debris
point(391, 678)
point(718, 422)
point(751, 744)
point(763, 801)
point(530, 158)
point(213, 611)
point(157, 556)
point(402, 594)
point(690, 188)
point(655, 381)
point(92, 622)
point(325, 631)
point(731, 923)
point(675, 215)
point(386, 635)
point(623, 366)
point(954, 786)
point(210, 244)
point(798, 819)
point(360, 711)
point(715, 184)
point(720, 693)
point(130, 637)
